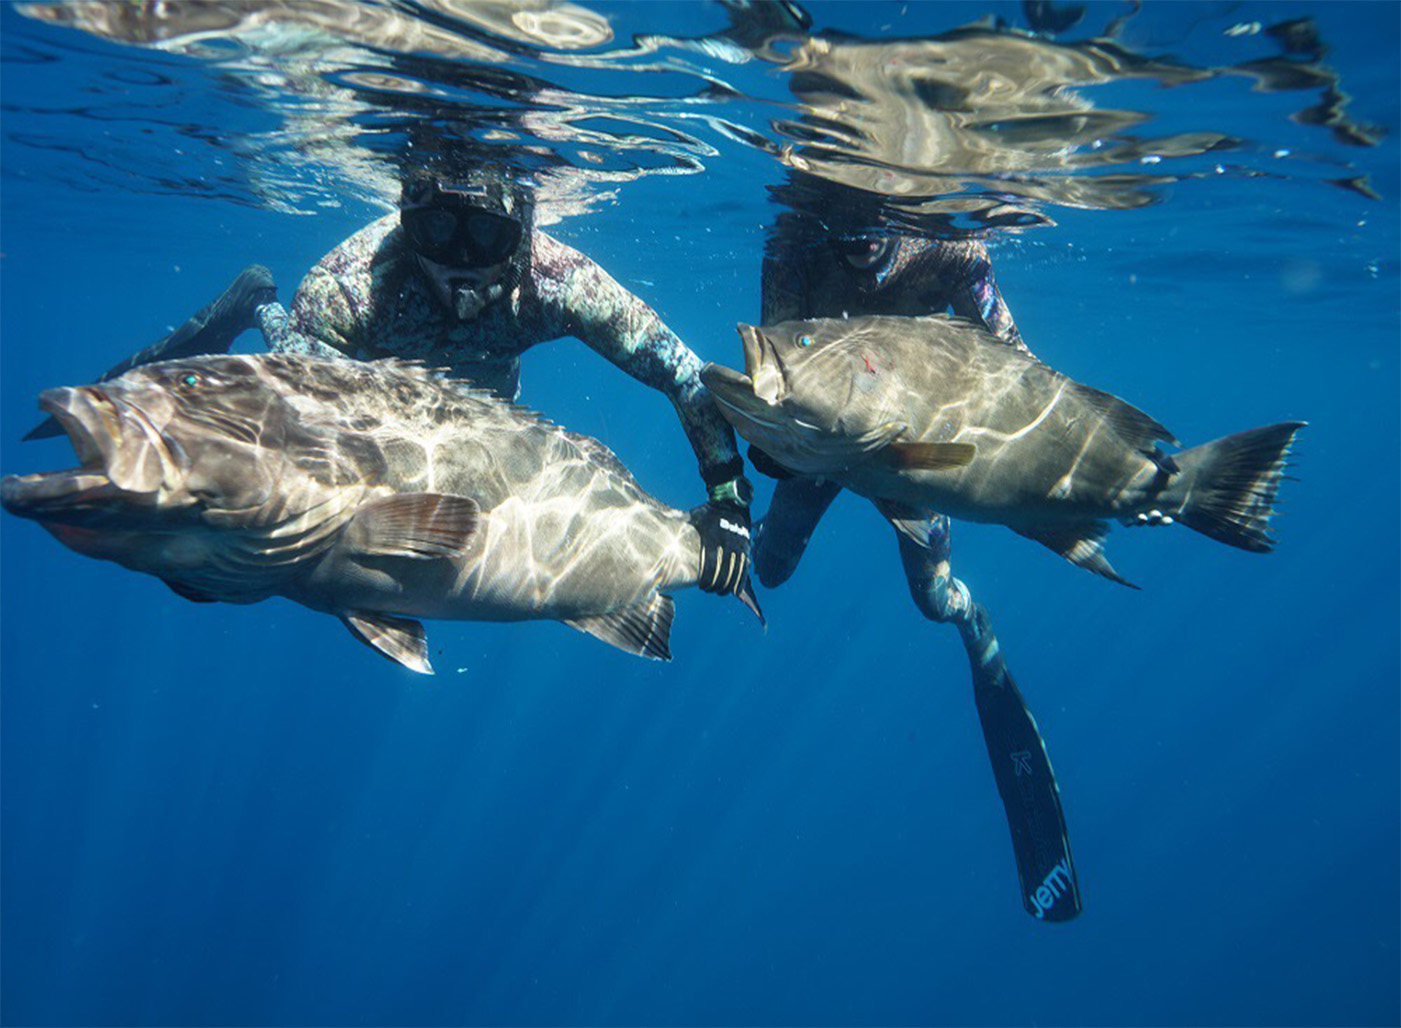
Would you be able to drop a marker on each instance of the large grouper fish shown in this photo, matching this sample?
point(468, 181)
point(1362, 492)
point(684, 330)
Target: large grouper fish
point(373, 491)
point(934, 413)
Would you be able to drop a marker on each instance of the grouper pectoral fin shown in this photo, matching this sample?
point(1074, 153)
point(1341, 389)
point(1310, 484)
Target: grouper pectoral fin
point(1082, 544)
point(402, 640)
point(415, 525)
point(643, 629)
point(930, 456)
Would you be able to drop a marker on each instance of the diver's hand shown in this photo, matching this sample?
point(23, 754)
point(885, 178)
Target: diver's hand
point(1148, 519)
point(723, 524)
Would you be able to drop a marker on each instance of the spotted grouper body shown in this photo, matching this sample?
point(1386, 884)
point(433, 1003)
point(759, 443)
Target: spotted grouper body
point(376, 492)
point(936, 414)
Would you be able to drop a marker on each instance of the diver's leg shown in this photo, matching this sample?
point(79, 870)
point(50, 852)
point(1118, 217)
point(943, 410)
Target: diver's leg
point(212, 330)
point(1050, 889)
point(783, 533)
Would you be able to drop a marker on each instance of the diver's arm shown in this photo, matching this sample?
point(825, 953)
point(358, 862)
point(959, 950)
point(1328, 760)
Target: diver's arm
point(331, 310)
point(591, 305)
point(618, 325)
point(975, 294)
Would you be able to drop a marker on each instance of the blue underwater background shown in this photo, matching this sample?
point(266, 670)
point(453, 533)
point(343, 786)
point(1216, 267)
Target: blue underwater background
point(238, 815)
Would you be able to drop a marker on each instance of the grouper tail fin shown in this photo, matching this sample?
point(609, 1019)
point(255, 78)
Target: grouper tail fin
point(1227, 487)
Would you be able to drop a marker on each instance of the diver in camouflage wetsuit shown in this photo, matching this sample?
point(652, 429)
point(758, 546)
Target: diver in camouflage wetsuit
point(459, 277)
point(831, 260)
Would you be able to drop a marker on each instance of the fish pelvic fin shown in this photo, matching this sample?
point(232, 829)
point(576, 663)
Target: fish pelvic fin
point(1227, 488)
point(1082, 544)
point(644, 629)
point(402, 640)
point(414, 525)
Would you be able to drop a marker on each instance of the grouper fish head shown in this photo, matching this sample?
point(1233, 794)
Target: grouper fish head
point(196, 471)
point(810, 396)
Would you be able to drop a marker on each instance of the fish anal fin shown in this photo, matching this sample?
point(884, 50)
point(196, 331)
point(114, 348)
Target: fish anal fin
point(910, 522)
point(402, 640)
point(930, 456)
point(643, 629)
point(1081, 543)
point(189, 592)
point(414, 525)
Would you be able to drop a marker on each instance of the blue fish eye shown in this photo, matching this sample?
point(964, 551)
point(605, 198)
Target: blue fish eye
point(805, 340)
point(191, 380)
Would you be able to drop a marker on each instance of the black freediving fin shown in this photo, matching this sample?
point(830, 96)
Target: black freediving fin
point(1030, 796)
point(402, 640)
point(212, 330)
point(643, 629)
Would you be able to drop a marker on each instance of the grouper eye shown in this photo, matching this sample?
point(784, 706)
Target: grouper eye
point(190, 380)
point(805, 340)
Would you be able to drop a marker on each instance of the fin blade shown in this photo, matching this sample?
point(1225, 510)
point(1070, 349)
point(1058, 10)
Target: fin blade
point(1082, 544)
point(643, 629)
point(415, 525)
point(1025, 781)
point(931, 456)
point(402, 640)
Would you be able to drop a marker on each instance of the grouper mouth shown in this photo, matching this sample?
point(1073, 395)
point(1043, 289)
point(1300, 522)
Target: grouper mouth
point(754, 394)
point(122, 459)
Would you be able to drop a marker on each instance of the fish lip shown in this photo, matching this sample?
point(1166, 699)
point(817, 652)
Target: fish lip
point(764, 365)
point(92, 419)
point(728, 387)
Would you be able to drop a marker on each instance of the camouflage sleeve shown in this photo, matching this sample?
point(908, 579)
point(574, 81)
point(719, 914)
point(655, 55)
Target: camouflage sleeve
point(330, 309)
point(591, 305)
point(977, 296)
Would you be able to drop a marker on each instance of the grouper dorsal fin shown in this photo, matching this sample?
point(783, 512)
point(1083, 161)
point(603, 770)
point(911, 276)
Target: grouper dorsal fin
point(643, 629)
point(930, 456)
point(1082, 544)
point(402, 640)
point(1137, 429)
point(415, 525)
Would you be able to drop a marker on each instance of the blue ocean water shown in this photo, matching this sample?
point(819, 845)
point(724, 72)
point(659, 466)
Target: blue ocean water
point(238, 815)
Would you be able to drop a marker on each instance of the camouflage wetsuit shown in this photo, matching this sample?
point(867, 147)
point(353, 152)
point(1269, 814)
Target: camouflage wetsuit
point(367, 298)
point(806, 277)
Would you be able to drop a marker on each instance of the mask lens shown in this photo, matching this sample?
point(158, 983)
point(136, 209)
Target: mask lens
point(461, 237)
point(863, 252)
point(492, 238)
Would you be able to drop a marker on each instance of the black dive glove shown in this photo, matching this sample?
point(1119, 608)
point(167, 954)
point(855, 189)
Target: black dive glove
point(723, 524)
